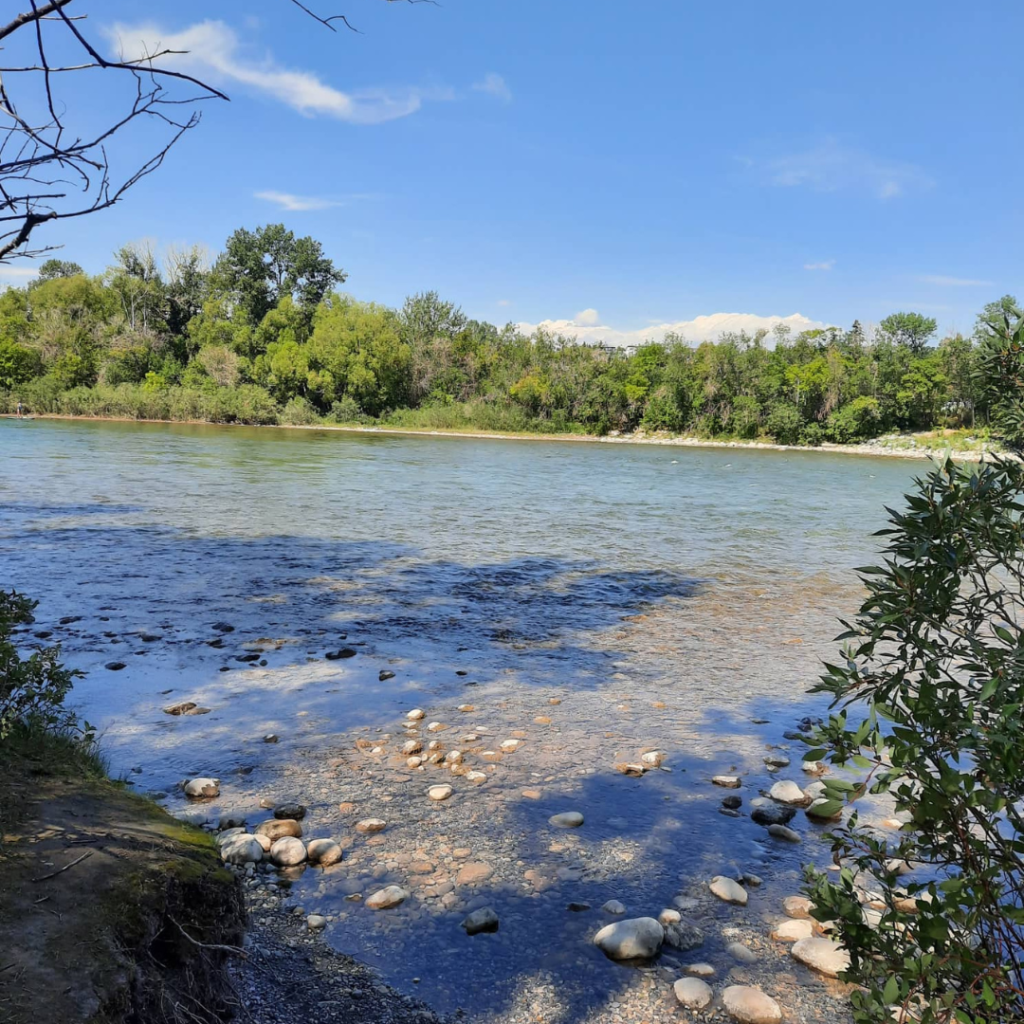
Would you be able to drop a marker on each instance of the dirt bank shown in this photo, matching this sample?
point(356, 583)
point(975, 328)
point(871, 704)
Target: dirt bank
point(110, 910)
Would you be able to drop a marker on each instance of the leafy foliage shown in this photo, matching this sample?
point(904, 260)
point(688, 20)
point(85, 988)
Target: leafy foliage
point(1001, 369)
point(929, 708)
point(260, 330)
point(32, 690)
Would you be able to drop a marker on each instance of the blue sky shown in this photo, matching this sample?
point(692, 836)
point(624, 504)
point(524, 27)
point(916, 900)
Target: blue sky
point(619, 166)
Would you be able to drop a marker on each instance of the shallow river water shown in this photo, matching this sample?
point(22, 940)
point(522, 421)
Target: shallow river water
point(592, 601)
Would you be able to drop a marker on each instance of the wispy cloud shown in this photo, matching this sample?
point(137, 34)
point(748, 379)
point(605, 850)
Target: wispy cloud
point(214, 52)
point(701, 328)
point(831, 167)
point(494, 85)
point(823, 265)
point(297, 204)
point(18, 273)
point(953, 282)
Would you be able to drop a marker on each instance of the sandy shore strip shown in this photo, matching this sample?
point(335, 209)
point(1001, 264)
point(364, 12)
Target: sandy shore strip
point(873, 449)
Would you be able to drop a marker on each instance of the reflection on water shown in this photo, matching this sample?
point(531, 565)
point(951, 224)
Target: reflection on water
point(592, 601)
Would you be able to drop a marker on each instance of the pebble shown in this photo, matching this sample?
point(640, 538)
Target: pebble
point(390, 896)
point(782, 832)
point(732, 803)
point(653, 758)
point(532, 794)
point(324, 852)
point(412, 747)
point(614, 907)
point(639, 938)
point(821, 955)
point(482, 920)
point(296, 812)
point(792, 930)
point(567, 819)
point(416, 715)
point(279, 828)
point(727, 781)
point(476, 777)
point(740, 953)
point(773, 814)
point(787, 792)
point(797, 907)
point(510, 746)
point(777, 761)
point(384, 675)
point(271, 737)
point(750, 1005)
point(370, 825)
point(474, 872)
point(700, 970)
point(693, 993)
point(240, 849)
point(315, 922)
point(729, 890)
point(202, 788)
point(287, 852)
point(439, 793)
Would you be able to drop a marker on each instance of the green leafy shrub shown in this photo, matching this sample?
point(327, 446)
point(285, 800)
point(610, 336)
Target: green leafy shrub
point(855, 422)
point(1001, 375)
point(32, 689)
point(299, 413)
point(784, 424)
point(928, 707)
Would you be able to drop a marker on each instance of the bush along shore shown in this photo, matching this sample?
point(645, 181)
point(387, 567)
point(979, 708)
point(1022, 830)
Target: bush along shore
point(261, 335)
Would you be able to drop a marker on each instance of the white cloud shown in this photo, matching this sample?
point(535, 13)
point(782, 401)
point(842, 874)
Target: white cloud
point(954, 282)
point(830, 167)
point(494, 85)
point(701, 328)
point(214, 53)
point(823, 265)
point(294, 203)
point(18, 273)
point(588, 318)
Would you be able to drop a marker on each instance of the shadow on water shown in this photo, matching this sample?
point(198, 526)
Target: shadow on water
point(512, 636)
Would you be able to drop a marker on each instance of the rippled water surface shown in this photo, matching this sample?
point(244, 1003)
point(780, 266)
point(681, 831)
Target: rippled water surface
point(594, 601)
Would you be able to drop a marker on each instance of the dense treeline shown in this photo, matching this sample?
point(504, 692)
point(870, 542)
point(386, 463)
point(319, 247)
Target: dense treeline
point(262, 335)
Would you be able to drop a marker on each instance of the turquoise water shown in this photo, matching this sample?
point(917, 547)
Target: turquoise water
point(675, 597)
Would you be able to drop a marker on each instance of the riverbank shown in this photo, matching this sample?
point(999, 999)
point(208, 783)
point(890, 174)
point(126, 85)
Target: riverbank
point(110, 909)
point(895, 446)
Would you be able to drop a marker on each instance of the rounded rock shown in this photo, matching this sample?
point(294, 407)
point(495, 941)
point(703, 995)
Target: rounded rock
point(567, 819)
point(821, 955)
point(750, 1005)
point(439, 793)
point(797, 907)
point(279, 828)
point(614, 907)
point(728, 890)
point(241, 849)
point(416, 715)
point(638, 939)
point(787, 792)
point(202, 788)
point(287, 852)
point(390, 896)
point(693, 993)
point(482, 920)
point(324, 852)
point(371, 825)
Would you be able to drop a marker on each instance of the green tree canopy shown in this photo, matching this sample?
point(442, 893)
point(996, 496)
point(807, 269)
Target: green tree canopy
point(258, 268)
point(910, 329)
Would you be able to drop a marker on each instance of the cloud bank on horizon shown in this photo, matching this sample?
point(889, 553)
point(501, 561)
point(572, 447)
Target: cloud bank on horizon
point(586, 326)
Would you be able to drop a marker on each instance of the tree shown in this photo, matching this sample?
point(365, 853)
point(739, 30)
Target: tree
point(927, 711)
point(188, 272)
point(356, 350)
point(1001, 372)
point(259, 268)
point(135, 280)
point(910, 329)
point(53, 268)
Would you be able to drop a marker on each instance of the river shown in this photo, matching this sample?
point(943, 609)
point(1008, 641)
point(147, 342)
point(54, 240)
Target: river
point(592, 601)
